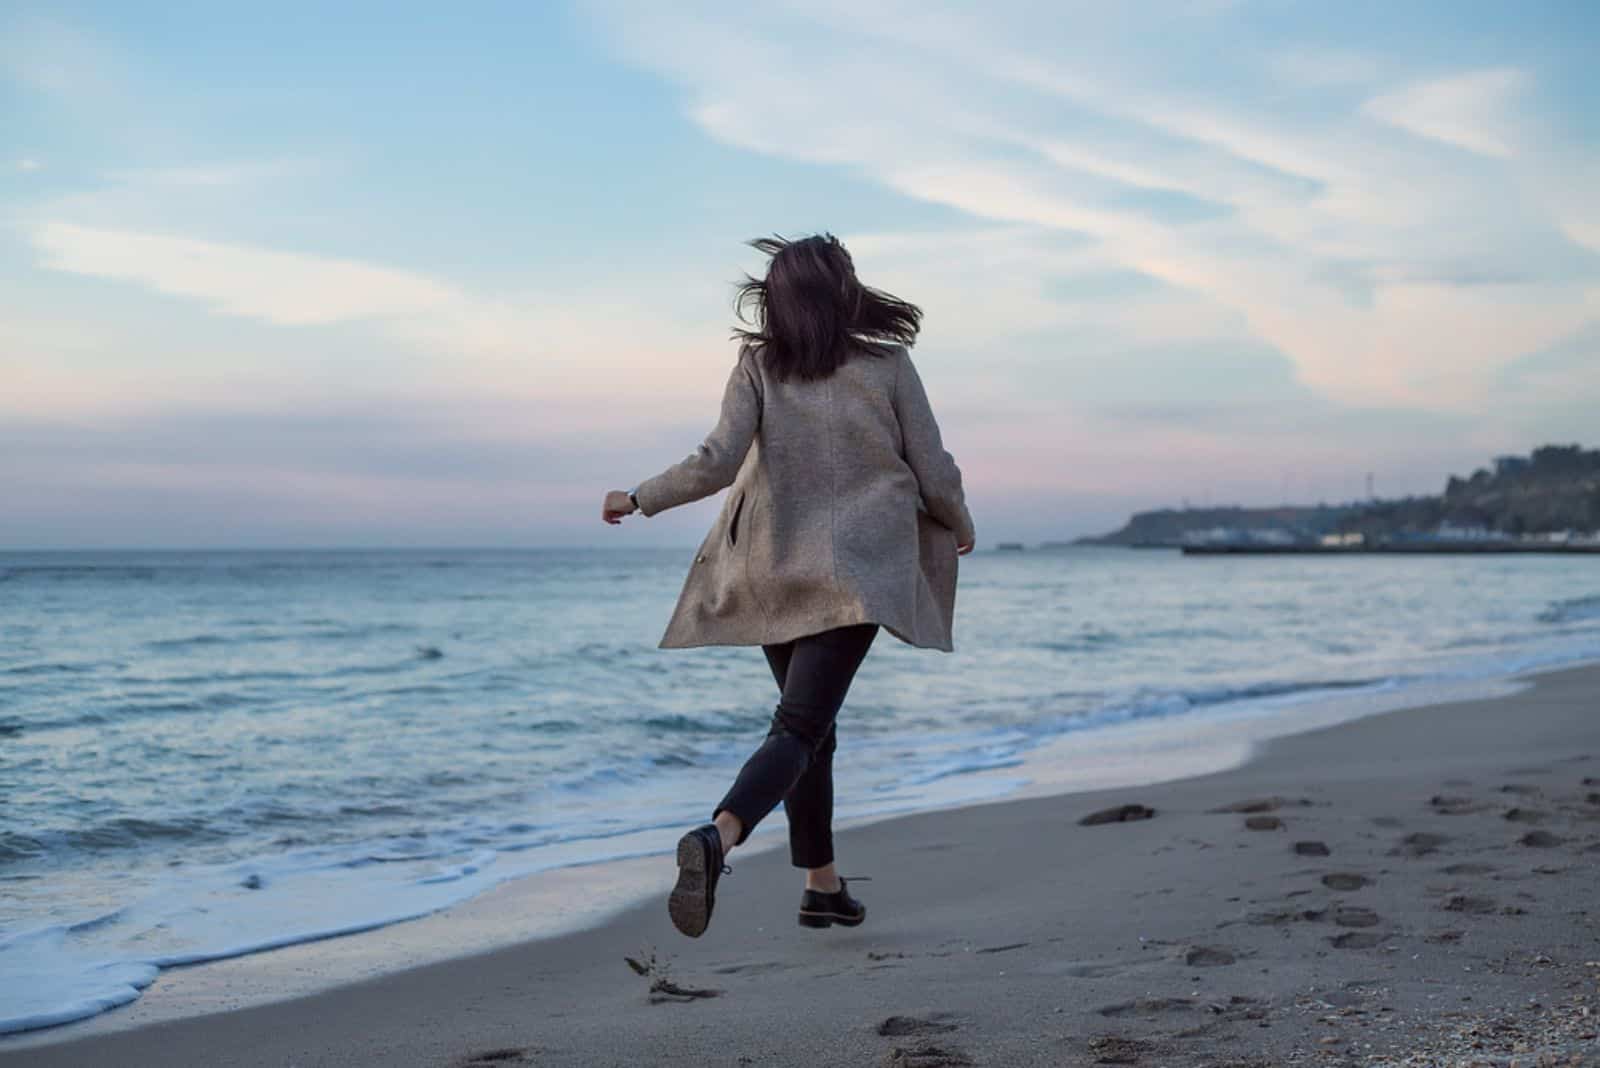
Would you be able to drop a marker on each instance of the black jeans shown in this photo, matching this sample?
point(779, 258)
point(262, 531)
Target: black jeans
point(795, 763)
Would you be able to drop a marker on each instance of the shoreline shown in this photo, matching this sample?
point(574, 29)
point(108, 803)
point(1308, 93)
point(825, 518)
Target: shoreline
point(607, 919)
point(539, 905)
point(520, 780)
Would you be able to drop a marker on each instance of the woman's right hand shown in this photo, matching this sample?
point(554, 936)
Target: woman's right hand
point(617, 504)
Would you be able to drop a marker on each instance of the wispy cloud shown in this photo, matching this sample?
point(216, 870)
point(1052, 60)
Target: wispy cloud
point(533, 346)
point(1364, 258)
point(277, 287)
point(230, 174)
point(1470, 111)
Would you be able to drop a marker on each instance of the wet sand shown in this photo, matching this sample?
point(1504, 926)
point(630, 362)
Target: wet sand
point(1419, 887)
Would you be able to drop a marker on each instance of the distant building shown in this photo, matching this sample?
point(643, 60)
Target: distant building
point(1240, 536)
point(1449, 531)
point(1510, 465)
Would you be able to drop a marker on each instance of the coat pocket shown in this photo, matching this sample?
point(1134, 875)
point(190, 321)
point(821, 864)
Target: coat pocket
point(733, 521)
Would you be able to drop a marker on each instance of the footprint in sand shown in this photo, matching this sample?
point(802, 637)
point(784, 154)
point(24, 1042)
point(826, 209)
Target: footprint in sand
point(1445, 937)
point(1525, 815)
point(1476, 906)
point(1419, 844)
point(1078, 969)
point(1387, 822)
point(1263, 804)
point(1115, 1049)
point(1117, 814)
point(1310, 849)
point(1146, 1007)
point(1208, 956)
point(1275, 919)
point(1540, 839)
point(1450, 805)
point(901, 1026)
point(752, 968)
point(662, 987)
point(1263, 823)
point(1345, 880)
point(1356, 940)
point(1522, 788)
point(1469, 867)
point(925, 1056)
point(504, 1055)
point(1355, 917)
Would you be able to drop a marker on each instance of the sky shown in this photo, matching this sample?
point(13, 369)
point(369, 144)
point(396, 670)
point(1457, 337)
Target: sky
point(440, 275)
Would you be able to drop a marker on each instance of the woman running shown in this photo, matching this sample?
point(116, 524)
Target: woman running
point(846, 514)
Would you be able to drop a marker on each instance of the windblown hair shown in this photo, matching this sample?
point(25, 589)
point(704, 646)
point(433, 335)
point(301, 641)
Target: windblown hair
point(810, 313)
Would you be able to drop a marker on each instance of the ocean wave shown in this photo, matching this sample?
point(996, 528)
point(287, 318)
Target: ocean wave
point(153, 707)
point(83, 967)
point(1572, 610)
point(126, 832)
point(963, 764)
point(14, 847)
point(327, 633)
point(28, 670)
point(679, 723)
point(121, 833)
point(1079, 643)
point(189, 642)
point(1224, 694)
point(69, 572)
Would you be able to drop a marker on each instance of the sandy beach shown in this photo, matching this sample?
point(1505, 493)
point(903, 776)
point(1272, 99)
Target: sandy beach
point(1417, 887)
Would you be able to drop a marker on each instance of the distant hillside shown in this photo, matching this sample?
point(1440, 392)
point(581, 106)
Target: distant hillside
point(1172, 526)
point(1556, 488)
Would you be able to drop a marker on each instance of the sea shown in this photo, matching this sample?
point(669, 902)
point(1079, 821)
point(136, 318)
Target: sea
point(211, 754)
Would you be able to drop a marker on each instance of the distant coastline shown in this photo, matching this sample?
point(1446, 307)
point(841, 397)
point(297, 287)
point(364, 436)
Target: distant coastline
point(1548, 501)
point(1402, 549)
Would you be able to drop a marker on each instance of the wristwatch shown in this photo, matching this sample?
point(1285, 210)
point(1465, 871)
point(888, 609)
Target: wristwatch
point(634, 499)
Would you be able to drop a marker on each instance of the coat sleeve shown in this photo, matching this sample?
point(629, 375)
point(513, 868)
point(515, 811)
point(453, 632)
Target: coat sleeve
point(714, 464)
point(936, 470)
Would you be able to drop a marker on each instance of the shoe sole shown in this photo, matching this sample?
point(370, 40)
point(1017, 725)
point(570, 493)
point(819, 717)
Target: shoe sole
point(689, 905)
point(828, 919)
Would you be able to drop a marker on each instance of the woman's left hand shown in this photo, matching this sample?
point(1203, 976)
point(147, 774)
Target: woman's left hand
point(616, 506)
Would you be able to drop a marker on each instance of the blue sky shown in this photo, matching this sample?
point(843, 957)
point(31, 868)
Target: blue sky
point(401, 275)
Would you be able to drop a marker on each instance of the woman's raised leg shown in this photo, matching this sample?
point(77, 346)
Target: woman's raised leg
point(816, 678)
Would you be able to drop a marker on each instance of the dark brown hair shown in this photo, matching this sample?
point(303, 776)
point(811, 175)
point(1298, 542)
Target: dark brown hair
point(810, 313)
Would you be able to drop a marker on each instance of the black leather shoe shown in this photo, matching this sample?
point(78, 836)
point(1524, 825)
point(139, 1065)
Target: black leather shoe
point(699, 867)
point(823, 910)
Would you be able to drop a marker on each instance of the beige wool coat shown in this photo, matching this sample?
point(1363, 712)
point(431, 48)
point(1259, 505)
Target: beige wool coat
point(845, 508)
